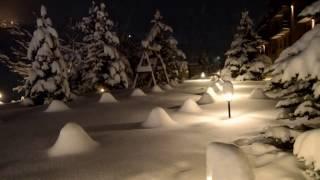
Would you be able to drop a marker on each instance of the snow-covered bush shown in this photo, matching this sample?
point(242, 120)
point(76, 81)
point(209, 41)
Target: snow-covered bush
point(47, 78)
point(243, 59)
point(72, 140)
point(295, 78)
point(306, 148)
point(103, 65)
point(159, 118)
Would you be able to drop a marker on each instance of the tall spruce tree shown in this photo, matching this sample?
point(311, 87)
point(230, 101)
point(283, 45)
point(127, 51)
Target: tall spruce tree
point(103, 66)
point(47, 79)
point(242, 61)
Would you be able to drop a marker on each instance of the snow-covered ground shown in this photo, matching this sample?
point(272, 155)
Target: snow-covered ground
point(126, 150)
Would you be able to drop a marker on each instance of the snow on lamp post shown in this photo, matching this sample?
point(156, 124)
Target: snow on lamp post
point(228, 94)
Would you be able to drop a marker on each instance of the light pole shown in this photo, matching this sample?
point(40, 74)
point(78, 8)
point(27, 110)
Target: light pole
point(228, 94)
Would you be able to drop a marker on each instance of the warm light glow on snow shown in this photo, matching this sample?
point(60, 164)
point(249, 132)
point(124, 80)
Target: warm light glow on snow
point(203, 75)
point(209, 177)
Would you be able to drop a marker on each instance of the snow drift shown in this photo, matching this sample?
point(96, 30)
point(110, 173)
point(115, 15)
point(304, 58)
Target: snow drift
point(167, 87)
point(138, 93)
point(107, 98)
point(206, 99)
point(227, 162)
point(157, 89)
point(190, 106)
point(258, 93)
point(72, 140)
point(158, 118)
point(57, 106)
point(27, 102)
point(307, 148)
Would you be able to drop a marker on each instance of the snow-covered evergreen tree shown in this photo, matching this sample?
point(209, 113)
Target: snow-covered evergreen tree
point(243, 61)
point(16, 60)
point(47, 79)
point(296, 78)
point(160, 42)
point(103, 65)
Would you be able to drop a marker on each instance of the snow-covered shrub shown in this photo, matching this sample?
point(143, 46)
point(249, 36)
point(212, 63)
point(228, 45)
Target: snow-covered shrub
point(103, 65)
point(158, 118)
point(243, 59)
point(72, 140)
point(107, 98)
point(57, 106)
point(47, 78)
point(295, 78)
point(190, 106)
point(311, 10)
point(282, 134)
point(306, 148)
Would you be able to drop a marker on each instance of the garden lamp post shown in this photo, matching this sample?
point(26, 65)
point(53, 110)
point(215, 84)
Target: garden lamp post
point(228, 94)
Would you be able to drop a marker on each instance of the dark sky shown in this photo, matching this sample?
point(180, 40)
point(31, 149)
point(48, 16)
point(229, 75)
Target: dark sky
point(199, 25)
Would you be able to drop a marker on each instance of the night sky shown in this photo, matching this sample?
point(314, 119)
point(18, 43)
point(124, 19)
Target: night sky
point(199, 25)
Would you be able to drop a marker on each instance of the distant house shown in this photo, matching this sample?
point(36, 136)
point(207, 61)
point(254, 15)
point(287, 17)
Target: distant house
point(282, 27)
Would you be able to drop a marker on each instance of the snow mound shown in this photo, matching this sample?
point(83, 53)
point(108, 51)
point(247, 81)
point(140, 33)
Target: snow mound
point(27, 102)
point(167, 87)
point(307, 148)
point(107, 98)
point(190, 106)
point(282, 133)
point(57, 106)
point(158, 118)
point(72, 140)
point(258, 94)
point(211, 92)
point(235, 166)
point(157, 89)
point(138, 93)
point(206, 99)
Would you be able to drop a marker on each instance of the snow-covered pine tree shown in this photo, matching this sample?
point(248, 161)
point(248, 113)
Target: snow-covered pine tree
point(161, 43)
point(16, 60)
point(243, 61)
point(103, 66)
point(47, 79)
point(295, 78)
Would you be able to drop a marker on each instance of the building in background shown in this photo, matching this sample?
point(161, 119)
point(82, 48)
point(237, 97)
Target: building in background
point(283, 26)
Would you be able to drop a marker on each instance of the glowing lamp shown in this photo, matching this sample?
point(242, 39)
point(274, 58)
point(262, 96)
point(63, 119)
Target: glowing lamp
point(203, 75)
point(1, 96)
point(102, 90)
point(228, 94)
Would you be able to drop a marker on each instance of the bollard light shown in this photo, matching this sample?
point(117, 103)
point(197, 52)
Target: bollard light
point(1, 96)
point(228, 94)
point(203, 75)
point(102, 90)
